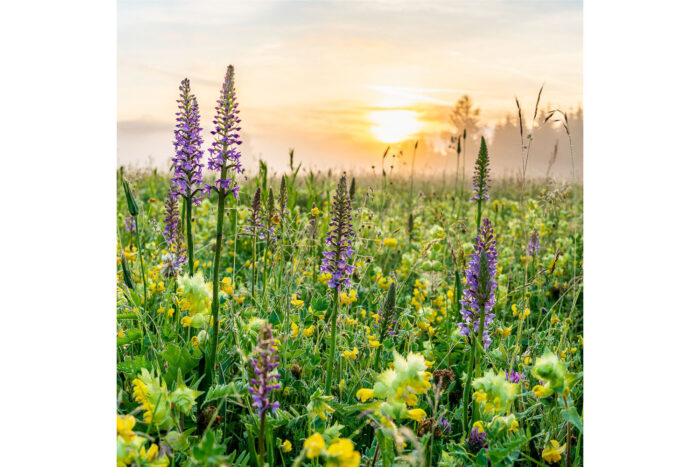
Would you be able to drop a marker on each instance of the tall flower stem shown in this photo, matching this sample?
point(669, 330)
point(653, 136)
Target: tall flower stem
point(478, 214)
point(190, 242)
point(334, 331)
point(261, 441)
point(473, 368)
point(143, 270)
point(223, 156)
point(211, 362)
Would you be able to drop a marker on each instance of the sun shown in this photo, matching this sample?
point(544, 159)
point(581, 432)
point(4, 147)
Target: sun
point(392, 126)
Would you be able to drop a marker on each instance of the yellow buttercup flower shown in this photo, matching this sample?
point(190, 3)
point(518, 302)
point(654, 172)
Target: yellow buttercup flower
point(513, 426)
point(171, 311)
point(314, 444)
point(325, 277)
point(552, 452)
point(417, 414)
point(125, 426)
point(351, 355)
point(309, 331)
point(342, 453)
point(295, 330)
point(479, 396)
point(374, 343)
point(390, 242)
point(479, 425)
point(364, 394)
point(296, 302)
point(186, 321)
point(286, 446)
point(315, 211)
point(346, 299)
point(411, 399)
point(504, 332)
point(541, 391)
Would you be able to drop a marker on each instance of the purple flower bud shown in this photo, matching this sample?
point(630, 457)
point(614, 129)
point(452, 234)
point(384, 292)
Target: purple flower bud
point(513, 377)
point(533, 244)
point(129, 223)
point(173, 261)
point(481, 179)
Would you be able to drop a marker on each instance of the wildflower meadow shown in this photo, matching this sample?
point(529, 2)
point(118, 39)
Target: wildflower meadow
point(301, 317)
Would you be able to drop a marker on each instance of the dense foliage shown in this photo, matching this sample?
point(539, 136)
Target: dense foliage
point(403, 363)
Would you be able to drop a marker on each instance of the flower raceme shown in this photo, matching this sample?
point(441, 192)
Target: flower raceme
point(479, 293)
point(187, 166)
point(264, 365)
point(224, 152)
point(337, 257)
point(481, 177)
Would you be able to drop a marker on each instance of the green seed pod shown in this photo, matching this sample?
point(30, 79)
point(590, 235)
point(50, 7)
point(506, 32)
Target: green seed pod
point(126, 273)
point(130, 201)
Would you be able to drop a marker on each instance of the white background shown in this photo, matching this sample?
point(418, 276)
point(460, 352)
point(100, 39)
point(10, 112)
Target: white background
point(57, 241)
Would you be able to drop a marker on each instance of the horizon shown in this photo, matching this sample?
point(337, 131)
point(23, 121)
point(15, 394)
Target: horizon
point(339, 82)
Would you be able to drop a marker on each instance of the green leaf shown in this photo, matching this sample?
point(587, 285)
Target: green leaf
point(572, 416)
point(209, 451)
point(178, 359)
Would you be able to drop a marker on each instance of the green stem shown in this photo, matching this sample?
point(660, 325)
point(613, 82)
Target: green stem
point(143, 270)
point(190, 242)
point(261, 441)
point(211, 362)
point(331, 352)
point(478, 215)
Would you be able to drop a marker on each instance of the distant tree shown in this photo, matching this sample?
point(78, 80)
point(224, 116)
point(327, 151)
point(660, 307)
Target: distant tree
point(465, 116)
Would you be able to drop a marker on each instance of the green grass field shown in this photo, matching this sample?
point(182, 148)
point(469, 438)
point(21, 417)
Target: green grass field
point(376, 372)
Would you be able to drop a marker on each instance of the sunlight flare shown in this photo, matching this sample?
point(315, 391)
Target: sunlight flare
point(392, 126)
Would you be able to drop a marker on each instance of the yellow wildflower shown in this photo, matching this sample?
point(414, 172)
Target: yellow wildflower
point(346, 299)
point(296, 302)
point(390, 242)
point(504, 332)
point(170, 312)
point(350, 355)
point(286, 446)
point(343, 454)
point(310, 330)
point(479, 396)
point(364, 394)
point(479, 425)
point(315, 211)
point(186, 321)
point(417, 414)
point(313, 445)
point(552, 452)
point(374, 343)
point(125, 426)
point(295, 330)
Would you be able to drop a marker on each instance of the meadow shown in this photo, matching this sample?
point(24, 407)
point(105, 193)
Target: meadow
point(321, 318)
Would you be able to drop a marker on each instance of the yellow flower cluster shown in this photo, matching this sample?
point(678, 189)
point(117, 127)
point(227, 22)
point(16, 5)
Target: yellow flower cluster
point(341, 451)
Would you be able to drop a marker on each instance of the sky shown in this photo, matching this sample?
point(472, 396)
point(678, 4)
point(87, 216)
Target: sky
point(338, 81)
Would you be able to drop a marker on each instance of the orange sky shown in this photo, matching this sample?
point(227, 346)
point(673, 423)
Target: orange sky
point(338, 81)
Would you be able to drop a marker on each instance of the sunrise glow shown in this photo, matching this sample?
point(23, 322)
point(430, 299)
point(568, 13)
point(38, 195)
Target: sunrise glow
point(393, 126)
